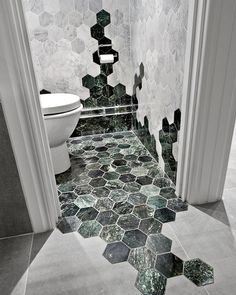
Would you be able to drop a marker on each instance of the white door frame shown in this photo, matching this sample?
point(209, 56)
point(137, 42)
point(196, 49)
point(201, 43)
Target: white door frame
point(20, 100)
point(209, 101)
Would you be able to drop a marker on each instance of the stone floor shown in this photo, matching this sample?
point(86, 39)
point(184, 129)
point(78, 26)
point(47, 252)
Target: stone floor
point(71, 263)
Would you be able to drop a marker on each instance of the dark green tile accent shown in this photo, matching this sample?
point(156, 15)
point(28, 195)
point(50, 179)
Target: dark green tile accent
point(143, 211)
point(144, 180)
point(97, 32)
point(168, 193)
point(69, 210)
point(119, 90)
point(134, 238)
point(151, 282)
point(118, 163)
point(169, 265)
point(111, 175)
point(156, 202)
point(67, 198)
point(90, 229)
point(116, 252)
point(164, 215)
point(137, 199)
point(95, 173)
point(106, 69)
point(123, 169)
point(107, 217)
point(127, 178)
point(141, 258)
point(123, 208)
point(69, 224)
point(159, 243)
point(112, 233)
point(86, 214)
point(150, 226)
point(128, 222)
point(88, 81)
point(177, 205)
point(199, 272)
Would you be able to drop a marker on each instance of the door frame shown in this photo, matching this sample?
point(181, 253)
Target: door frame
point(209, 101)
point(20, 101)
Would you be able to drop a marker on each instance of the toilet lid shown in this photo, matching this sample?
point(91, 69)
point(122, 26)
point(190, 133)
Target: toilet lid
point(56, 103)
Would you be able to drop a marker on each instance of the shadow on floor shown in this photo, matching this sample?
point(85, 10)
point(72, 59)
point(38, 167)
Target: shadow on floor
point(216, 210)
point(16, 254)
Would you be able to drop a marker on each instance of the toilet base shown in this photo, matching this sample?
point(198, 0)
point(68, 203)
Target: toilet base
point(60, 158)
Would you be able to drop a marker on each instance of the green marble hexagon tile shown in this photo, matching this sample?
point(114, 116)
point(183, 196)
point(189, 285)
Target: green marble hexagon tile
point(116, 190)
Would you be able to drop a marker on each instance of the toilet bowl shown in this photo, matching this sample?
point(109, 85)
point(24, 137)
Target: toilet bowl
point(61, 113)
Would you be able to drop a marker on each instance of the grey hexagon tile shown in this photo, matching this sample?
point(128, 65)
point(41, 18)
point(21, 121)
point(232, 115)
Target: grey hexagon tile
point(164, 215)
point(67, 187)
point(119, 195)
point(101, 192)
point(85, 201)
point(114, 184)
point(159, 243)
point(150, 190)
point(116, 252)
point(134, 238)
point(141, 258)
point(162, 182)
point(95, 5)
point(103, 18)
point(144, 180)
point(199, 272)
point(169, 265)
point(83, 190)
point(78, 45)
point(107, 217)
point(67, 198)
point(69, 224)
point(156, 202)
point(111, 175)
point(69, 209)
point(104, 204)
point(119, 163)
point(168, 193)
point(86, 214)
point(150, 226)
point(90, 229)
point(75, 18)
point(132, 187)
point(123, 169)
point(123, 208)
point(128, 222)
point(95, 173)
point(143, 211)
point(151, 282)
point(70, 32)
point(112, 233)
point(137, 199)
point(45, 19)
point(97, 182)
point(177, 205)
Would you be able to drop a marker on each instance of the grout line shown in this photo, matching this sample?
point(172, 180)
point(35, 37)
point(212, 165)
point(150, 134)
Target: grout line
point(17, 236)
point(28, 265)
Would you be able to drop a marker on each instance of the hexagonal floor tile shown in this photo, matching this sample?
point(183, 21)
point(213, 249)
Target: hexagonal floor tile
point(117, 156)
point(116, 252)
point(162, 182)
point(97, 182)
point(150, 190)
point(164, 215)
point(83, 190)
point(128, 222)
point(118, 195)
point(156, 202)
point(69, 224)
point(123, 169)
point(168, 193)
point(127, 178)
point(114, 184)
point(139, 171)
point(85, 201)
point(130, 157)
point(101, 192)
point(159, 243)
point(151, 282)
point(124, 146)
point(132, 187)
point(95, 173)
point(199, 272)
point(107, 217)
point(101, 149)
point(150, 226)
point(67, 198)
point(177, 205)
point(169, 265)
point(134, 238)
point(141, 258)
point(69, 210)
point(145, 159)
point(104, 204)
point(144, 180)
point(112, 233)
point(86, 214)
point(67, 187)
point(137, 199)
point(143, 211)
point(90, 229)
point(119, 162)
point(123, 208)
point(111, 175)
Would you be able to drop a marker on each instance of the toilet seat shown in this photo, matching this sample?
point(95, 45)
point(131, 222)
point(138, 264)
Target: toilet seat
point(57, 103)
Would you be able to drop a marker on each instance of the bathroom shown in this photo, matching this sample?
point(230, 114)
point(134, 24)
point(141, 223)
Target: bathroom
point(109, 81)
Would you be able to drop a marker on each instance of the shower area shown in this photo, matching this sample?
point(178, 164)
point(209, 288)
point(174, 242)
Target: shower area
point(125, 60)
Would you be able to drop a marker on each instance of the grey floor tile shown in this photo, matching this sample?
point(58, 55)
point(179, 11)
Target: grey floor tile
point(69, 264)
point(14, 260)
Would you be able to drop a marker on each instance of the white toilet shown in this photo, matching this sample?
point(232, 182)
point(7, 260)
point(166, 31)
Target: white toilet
point(61, 114)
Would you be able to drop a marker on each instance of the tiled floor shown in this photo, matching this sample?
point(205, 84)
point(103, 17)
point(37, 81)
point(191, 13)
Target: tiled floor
point(57, 263)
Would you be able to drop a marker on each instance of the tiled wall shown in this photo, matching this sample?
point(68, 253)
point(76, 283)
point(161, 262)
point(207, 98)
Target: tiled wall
point(14, 217)
point(158, 38)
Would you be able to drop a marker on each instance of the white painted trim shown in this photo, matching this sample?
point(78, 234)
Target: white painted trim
point(209, 101)
point(20, 100)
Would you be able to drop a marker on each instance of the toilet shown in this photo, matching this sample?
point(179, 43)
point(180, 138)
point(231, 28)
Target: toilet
point(61, 113)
